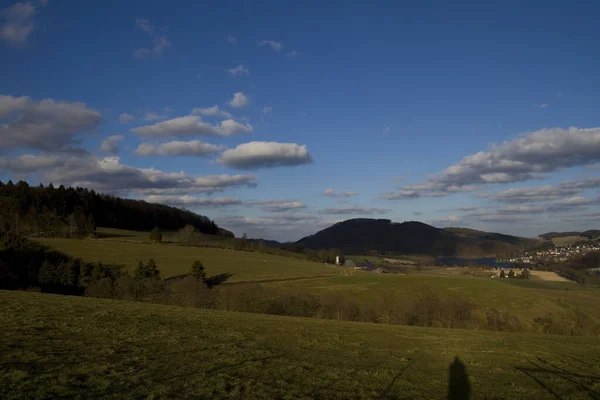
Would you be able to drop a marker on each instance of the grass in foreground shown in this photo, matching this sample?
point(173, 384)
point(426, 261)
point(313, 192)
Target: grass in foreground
point(80, 347)
point(177, 260)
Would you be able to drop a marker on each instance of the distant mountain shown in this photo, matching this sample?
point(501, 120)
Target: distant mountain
point(590, 234)
point(358, 236)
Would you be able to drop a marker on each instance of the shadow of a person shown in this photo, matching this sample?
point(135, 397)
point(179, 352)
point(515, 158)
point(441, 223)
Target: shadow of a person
point(459, 387)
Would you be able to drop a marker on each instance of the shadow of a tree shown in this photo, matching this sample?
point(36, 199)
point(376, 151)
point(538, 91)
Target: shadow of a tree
point(215, 280)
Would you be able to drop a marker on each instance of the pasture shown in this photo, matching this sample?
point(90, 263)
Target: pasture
point(57, 346)
point(548, 276)
point(525, 299)
point(168, 237)
point(173, 260)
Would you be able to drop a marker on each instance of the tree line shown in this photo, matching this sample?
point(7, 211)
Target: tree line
point(75, 212)
point(28, 265)
point(426, 309)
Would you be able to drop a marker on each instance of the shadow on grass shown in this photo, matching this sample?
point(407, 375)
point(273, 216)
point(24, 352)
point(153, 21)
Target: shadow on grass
point(386, 393)
point(544, 372)
point(459, 387)
point(215, 280)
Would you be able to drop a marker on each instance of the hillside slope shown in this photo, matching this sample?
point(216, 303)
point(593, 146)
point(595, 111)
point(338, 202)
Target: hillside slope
point(357, 236)
point(40, 209)
point(589, 234)
point(55, 346)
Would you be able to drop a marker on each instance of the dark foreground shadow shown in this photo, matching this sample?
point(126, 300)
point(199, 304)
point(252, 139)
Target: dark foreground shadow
point(215, 280)
point(459, 387)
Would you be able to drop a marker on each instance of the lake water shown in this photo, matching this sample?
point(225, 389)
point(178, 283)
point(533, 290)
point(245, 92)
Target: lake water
point(491, 261)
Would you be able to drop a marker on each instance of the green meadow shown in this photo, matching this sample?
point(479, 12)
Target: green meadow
point(74, 347)
point(174, 260)
point(523, 300)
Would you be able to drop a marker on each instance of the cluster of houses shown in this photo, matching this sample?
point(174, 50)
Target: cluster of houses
point(365, 265)
point(561, 253)
point(506, 272)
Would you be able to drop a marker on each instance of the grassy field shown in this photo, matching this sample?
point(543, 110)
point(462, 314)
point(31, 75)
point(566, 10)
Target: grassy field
point(168, 236)
point(176, 260)
point(56, 346)
point(522, 298)
point(525, 299)
point(379, 260)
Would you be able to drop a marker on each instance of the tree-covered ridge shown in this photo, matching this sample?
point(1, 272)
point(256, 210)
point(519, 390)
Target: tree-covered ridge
point(42, 210)
point(358, 236)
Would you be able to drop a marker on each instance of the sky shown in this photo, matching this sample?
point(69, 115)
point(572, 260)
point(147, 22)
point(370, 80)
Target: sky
point(278, 119)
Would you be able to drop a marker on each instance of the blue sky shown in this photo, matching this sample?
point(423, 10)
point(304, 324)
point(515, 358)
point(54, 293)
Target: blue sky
point(487, 112)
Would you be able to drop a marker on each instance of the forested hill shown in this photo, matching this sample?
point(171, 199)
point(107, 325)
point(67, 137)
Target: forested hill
point(589, 234)
point(40, 209)
point(358, 236)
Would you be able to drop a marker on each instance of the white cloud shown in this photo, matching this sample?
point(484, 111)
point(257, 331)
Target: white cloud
point(355, 210)
point(536, 194)
point(111, 143)
point(45, 124)
point(231, 40)
point(543, 105)
point(278, 226)
point(293, 54)
point(213, 111)
point(255, 155)
point(190, 201)
point(239, 70)
point(396, 179)
point(240, 100)
point(18, 22)
point(277, 46)
point(153, 117)
point(191, 126)
point(294, 205)
point(583, 218)
point(527, 157)
point(276, 205)
point(333, 193)
point(231, 127)
point(571, 203)
point(387, 129)
point(108, 174)
point(267, 110)
point(451, 220)
point(125, 118)
point(527, 209)
point(144, 25)
point(160, 40)
point(195, 148)
point(504, 218)
point(415, 191)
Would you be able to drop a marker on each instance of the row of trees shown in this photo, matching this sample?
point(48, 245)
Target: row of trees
point(26, 264)
point(39, 209)
point(427, 308)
